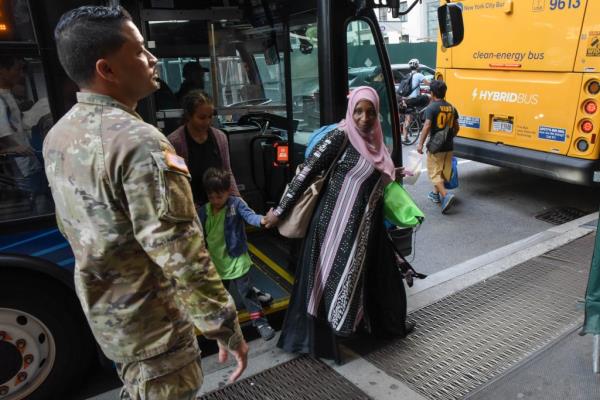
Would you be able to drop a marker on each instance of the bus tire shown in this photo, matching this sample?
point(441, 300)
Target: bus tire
point(41, 320)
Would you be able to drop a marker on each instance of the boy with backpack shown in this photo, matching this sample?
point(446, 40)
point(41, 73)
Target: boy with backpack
point(222, 220)
point(441, 120)
point(409, 92)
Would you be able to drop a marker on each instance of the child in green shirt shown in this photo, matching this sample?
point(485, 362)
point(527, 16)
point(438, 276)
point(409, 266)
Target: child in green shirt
point(223, 220)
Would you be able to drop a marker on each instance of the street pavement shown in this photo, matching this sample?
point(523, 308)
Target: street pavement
point(379, 384)
point(495, 207)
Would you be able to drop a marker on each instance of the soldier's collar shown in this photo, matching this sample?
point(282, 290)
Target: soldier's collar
point(103, 100)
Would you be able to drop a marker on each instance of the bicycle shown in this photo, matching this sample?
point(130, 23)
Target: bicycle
point(415, 125)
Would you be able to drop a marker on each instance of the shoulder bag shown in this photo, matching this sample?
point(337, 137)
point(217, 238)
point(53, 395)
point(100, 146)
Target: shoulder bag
point(295, 225)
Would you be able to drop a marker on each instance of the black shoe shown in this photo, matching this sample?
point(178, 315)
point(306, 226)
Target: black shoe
point(409, 327)
point(265, 299)
point(266, 332)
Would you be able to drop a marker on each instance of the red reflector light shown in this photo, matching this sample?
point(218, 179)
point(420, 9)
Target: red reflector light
point(590, 107)
point(283, 154)
point(587, 126)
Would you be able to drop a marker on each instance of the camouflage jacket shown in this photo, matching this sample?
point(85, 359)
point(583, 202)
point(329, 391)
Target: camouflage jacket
point(124, 203)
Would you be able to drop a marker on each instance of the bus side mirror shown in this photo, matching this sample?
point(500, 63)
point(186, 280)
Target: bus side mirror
point(394, 5)
point(452, 29)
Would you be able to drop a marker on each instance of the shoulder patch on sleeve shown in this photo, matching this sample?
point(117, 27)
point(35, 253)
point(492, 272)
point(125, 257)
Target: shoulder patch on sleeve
point(175, 162)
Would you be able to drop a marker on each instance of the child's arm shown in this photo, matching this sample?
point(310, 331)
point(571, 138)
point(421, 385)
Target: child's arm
point(248, 214)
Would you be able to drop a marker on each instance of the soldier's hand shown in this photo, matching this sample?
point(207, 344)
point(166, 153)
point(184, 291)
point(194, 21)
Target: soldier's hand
point(241, 357)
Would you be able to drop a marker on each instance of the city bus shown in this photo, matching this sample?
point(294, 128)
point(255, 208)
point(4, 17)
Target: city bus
point(276, 71)
point(526, 82)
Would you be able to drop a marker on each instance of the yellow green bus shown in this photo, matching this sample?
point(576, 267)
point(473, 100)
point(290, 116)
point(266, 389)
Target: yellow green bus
point(526, 81)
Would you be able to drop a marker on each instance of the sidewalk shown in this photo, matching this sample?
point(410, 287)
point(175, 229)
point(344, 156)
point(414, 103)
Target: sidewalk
point(481, 326)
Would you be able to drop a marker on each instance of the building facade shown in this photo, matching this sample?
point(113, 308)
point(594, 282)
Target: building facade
point(420, 25)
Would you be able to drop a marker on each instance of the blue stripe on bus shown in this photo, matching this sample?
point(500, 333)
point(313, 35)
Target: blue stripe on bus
point(50, 249)
point(58, 254)
point(67, 262)
point(29, 239)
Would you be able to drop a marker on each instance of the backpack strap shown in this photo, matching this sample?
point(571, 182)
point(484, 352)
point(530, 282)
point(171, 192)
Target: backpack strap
point(412, 75)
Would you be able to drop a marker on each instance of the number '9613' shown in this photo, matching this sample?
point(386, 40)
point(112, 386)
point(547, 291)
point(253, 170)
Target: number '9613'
point(562, 4)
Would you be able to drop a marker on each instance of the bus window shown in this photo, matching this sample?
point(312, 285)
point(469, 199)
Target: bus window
point(182, 48)
point(24, 121)
point(249, 70)
point(305, 77)
point(364, 69)
point(178, 76)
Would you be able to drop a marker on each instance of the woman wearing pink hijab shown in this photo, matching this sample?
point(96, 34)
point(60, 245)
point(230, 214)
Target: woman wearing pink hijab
point(344, 276)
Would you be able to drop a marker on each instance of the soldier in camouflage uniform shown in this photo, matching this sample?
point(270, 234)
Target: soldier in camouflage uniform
point(124, 203)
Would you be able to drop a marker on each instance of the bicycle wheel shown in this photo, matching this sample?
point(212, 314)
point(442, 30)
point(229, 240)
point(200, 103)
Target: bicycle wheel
point(414, 130)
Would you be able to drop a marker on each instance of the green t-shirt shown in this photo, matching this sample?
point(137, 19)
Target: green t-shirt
point(227, 267)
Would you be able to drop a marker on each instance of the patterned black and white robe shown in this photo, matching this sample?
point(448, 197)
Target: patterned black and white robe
point(331, 273)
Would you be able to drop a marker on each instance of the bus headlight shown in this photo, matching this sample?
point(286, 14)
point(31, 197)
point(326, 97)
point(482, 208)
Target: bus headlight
point(582, 145)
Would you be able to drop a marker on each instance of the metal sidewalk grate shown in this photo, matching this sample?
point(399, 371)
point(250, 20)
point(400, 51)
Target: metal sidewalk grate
point(301, 378)
point(564, 372)
point(468, 338)
point(560, 215)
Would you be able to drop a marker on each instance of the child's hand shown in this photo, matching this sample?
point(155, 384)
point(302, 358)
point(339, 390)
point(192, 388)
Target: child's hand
point(263, 221)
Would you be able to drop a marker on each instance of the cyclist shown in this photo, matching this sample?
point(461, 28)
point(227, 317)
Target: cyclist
point(414, 99)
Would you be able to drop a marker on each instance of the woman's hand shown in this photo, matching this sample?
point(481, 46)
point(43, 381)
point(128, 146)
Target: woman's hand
point(420, 148)
point(271, 220)
point(400, 173)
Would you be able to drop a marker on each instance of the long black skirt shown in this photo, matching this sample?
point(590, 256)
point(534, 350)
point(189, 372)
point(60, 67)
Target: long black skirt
point(385, 299)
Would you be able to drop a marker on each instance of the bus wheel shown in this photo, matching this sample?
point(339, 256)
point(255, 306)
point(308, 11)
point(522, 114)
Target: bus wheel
point(45, 346)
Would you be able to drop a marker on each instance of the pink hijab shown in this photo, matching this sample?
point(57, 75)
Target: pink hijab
point(369, 145)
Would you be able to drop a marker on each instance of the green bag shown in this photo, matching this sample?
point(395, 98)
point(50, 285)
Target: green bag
point(399, 208)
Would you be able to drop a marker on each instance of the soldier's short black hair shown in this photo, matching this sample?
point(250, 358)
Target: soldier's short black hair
point(216, 180)
point(438, 88)
point(192, 100)
point(85, 35)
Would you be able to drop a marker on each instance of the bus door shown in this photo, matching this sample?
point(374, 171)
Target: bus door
point(237, 56)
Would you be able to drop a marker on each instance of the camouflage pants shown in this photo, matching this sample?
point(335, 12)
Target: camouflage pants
point(175, 375)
